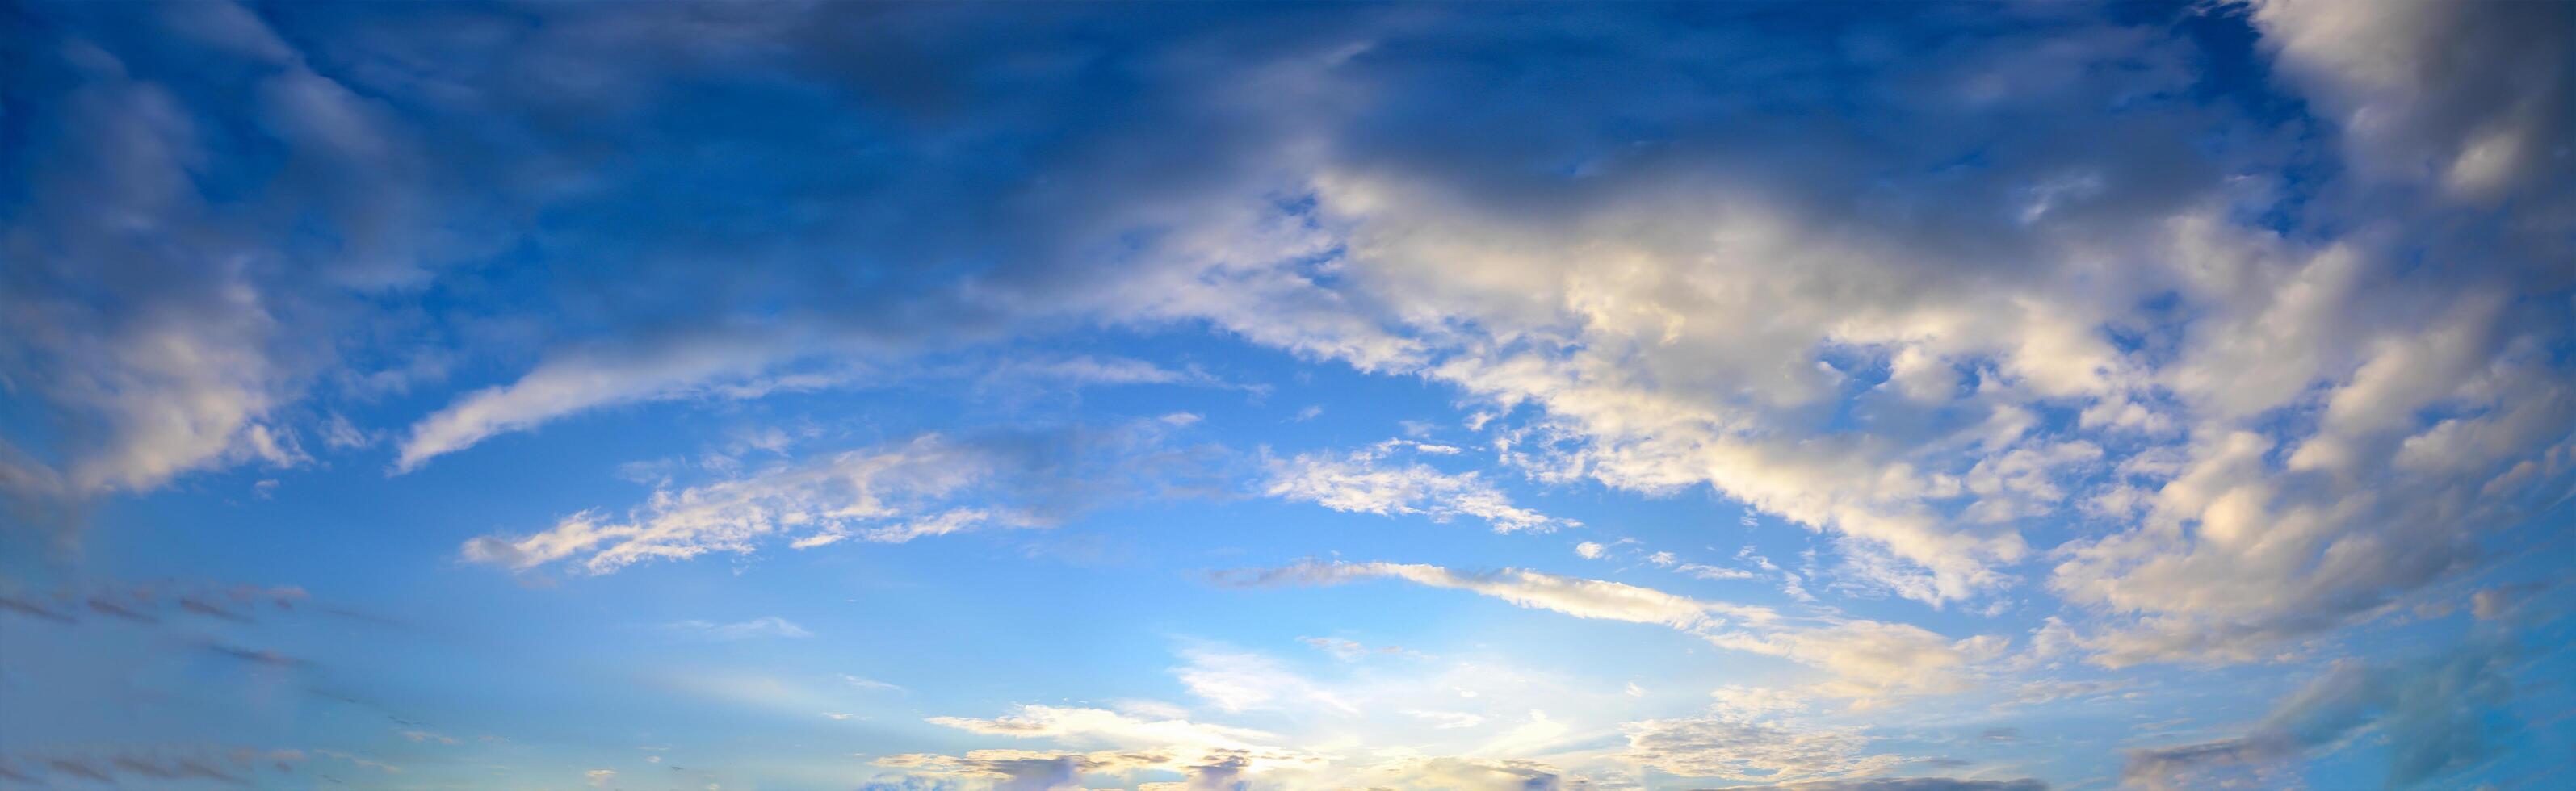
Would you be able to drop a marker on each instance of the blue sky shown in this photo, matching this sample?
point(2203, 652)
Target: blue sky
point(1913, 397)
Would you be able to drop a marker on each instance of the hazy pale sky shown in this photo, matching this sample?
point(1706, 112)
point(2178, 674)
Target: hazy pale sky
point(779, 395)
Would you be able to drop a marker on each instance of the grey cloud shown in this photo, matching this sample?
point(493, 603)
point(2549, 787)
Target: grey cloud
point(33, 609)
point(1221, 770)
point(1912, 784)
point(1743, 750)
point(1027, 770)
point(149, 603)
point(2438, 715)
point(160, 766)
point(257, 655)
point(419, 167)
point(2473, 99)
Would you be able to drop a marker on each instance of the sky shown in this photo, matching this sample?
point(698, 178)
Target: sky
point(783, 395)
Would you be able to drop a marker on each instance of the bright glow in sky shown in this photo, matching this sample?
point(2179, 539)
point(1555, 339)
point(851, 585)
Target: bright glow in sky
point(1902, 397)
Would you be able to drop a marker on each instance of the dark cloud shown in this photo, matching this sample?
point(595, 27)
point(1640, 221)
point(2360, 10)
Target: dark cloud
point(211, 610)
point(257, 655)
point(149, 603)
point(102, 605)
point(78, 769)
point(33, 609)
point(161, 767)
point(1221, 770)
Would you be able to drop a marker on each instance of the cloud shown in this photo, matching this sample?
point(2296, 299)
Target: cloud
point(1712, 268)
point(1603, 312)
point(1741, 750)
point(1467, 774)
point(427, 736)
point(1107, 727)
point(1352, 650)
point(158, 766)
point(1361, 482)
point(196, 251)
point(1867, 659)
point(158, 602)
point(1909, 784)
point(2058, 308)
point(869, 683)
point(161, 322)
point(895, 491)
point(1027, 770)
point(1213, 756)
point(770, 626)
point(891, 493)
point(2438, 715)
point(2465, 99)
point(733, 364)
point(579, 382)
point(1242, 681)
point(1094, 370)
point(1581, 598)
point(1446, 719)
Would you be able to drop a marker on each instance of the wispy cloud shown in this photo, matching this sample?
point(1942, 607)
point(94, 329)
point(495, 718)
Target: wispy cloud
point(931, 485)
point(767, 626)
point(1365, 481)
point(1866, 659)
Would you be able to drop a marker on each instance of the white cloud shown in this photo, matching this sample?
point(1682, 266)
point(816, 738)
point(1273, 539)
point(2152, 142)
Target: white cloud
point(1349, 650)
point(1364, 482)
point(1685, 317)
point(1747, 703)
point(1445, 720)
point(1743, 750)
point(1867, 660)
point(1460, 773)
point(2295, 402)
point(1581, 598)
point(886, 494)
point(580, 382)
point(770, 626)
point(1128, 743)
point(1107, 727)
point(1241, 681)
point(868, 683)
point(1646, 385)
point(1707, 572)
point(1093, 370)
